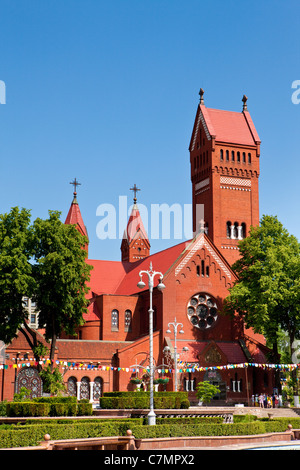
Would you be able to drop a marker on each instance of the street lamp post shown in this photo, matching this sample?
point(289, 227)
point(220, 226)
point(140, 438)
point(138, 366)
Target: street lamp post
point(175, 327)
point(151, 275)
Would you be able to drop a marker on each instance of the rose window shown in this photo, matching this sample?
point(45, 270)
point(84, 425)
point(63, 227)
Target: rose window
point(202, 311)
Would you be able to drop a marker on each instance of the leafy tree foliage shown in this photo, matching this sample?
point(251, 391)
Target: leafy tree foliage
point(267, 292)
point(16, 278)
point(45, 261)
point(206, 391)
point(61, 273)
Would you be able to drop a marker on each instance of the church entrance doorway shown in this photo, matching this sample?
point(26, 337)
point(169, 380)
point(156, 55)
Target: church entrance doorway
point(215, 378)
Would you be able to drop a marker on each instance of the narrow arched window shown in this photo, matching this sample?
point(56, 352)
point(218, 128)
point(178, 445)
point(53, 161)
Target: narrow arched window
point(244, 157)
point(202, 267)
point(235, 230)
point(221, 155)
point(227, 155)
point(243, 230)
point(249, 157)
point(232, 156)
point(115, 320)
point(228, 229)
point(128, 320)
point(238, 157)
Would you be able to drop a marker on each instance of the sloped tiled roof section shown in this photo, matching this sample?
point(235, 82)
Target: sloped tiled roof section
point(226, 126)
point(74, 217)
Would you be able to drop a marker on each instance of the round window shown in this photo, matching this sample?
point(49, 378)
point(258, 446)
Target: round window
point(202, 311)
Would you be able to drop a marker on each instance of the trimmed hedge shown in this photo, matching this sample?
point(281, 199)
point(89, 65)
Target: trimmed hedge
point(32, 434)
point(48, 408)
point(181, 430)
point(138, 400)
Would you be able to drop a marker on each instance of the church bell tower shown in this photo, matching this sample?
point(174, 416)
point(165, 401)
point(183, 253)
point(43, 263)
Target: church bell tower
point(224, 161)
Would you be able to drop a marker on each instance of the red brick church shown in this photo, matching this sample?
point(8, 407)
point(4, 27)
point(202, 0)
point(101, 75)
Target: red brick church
point(113, 344)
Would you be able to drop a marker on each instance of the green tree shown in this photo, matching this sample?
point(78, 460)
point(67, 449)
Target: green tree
point(206, 391)
point(16, 279)
point(267, 292)
point(61, 274)
point(53, 381)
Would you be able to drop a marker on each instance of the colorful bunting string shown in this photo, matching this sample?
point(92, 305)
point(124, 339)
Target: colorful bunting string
point(181, 369)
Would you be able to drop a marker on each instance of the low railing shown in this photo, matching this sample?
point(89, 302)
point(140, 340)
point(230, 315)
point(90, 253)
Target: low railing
point(92, 443)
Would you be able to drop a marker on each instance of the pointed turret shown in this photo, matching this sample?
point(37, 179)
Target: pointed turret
point(74, 216)
point(135, 244)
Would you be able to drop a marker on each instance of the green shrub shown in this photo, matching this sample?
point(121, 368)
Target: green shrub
point(30, 434)
point(138, 400)
point(49, 407)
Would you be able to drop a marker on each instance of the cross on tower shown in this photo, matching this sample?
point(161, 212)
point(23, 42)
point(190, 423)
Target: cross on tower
point(75, 184)
point(134, 189)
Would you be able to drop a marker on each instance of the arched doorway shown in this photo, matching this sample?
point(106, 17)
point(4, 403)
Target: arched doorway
point(71, 387)
point(85, 388)
point(30, 379)
point(98, 387)
point(215, 378)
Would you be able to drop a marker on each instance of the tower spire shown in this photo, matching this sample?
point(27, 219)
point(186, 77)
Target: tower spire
point(135, 244)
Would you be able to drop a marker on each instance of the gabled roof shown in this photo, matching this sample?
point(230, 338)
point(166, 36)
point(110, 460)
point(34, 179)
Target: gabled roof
point(231, 350)
point(121, 278)
point(225, 126)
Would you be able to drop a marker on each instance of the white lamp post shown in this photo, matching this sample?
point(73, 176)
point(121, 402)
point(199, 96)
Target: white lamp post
point(151, 275)
point(175, 327)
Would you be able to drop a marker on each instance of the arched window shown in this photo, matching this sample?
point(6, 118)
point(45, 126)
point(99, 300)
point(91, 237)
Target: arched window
point(128, 320)
point(244, 157)
point(232, 156)
point(228, 229)
point(238, 157)
point(71, 387)
point(115, 320)
point(221, 155)
point(85, 388)
point(235, 230)
point(243, 230)
point(249, 157)
point(227, 155)
point(98, 387)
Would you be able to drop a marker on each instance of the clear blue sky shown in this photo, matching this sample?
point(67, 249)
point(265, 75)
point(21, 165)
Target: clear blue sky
point(107, 91)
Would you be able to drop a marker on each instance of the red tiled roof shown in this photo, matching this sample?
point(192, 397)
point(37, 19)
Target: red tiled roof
point(230, 126)
point(74, 217)
point(232, 350)
point(135, 225)
point(161, 262)
point(83, 350)
point(121, 278)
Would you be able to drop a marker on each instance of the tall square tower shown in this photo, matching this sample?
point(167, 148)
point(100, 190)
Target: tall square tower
point(224, 157)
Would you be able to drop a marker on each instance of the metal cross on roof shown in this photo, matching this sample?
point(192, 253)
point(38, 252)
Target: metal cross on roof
point(135, 189)
point(75, 184)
